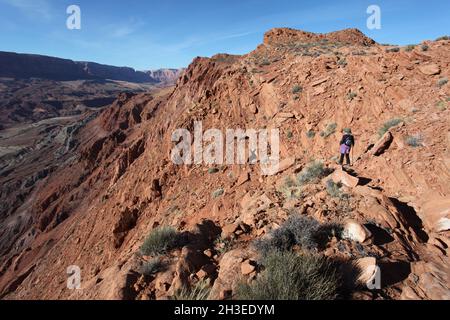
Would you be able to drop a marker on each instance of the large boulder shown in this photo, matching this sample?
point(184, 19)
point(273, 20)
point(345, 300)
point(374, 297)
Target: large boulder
point(230, 273)
point(430, 69)
point(114, 283)
point(436, 214)
point(190, 262)
point(368, 270)
point(343, 177)
point(383, 144)
point(355, 231)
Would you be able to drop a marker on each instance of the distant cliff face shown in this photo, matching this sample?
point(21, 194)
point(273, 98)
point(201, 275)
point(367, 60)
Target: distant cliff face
point(167, 76)
point(97, 70)
point(22, 66)
point(14, 65)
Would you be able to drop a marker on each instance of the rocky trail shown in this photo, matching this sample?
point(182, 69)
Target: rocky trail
point(389, 210)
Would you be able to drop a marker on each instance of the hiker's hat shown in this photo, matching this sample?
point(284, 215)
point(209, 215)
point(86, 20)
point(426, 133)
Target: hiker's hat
point(348, 130)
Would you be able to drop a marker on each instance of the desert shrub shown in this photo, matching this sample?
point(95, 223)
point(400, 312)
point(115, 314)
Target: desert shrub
point(442, 82)
point(197, 292)
point(329, 130)
point(298, 230)
point(425, 47)
point(303, 230)
point(288, 276)
point(265, 62)
point(159, 241)
point(217, 193)
point(443, 38)
point(313, 172)
point(342, 61)
point(223, 245)
point(297, 89)
point(279, 239)
point(441, 105)
point(289, 134)
point(290, 189)
point(153, 266)
point(213, 170)
point(351, 96)
point(410, 47)
point(310, 134)
point(392, 50)
point(414, 141)
point(389, 124)
point(334, 189)
point(326, 231)
point(359, 53)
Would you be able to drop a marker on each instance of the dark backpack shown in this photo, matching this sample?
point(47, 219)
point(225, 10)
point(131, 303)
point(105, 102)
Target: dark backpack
point(348, 141)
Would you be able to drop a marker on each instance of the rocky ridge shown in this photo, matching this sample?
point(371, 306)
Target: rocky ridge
point(392, 204)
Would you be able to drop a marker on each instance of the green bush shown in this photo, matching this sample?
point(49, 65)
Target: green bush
point(351, 96)
point(298, 230)
point(265, 62)
point(393, 50)
point(160, 241)
point(425, 47)
point(310, 134)
point(441, 105)
point(389, 124)
point(297, 89)
point(289, 134)
point(414, 141)
point(213, 170)
point(329, 130)
point(443, 38)
point(313, 172)
point(342, 62)
point(327, 231)
point(290, 189)
point(217, 193)
point(410, 47)
point(153, 266)
point(223, 245)
point(334, 189)
point(442, 82)
point(288, 276)
point(200, 291)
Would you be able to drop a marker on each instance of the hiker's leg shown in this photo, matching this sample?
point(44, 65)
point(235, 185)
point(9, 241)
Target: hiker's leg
point(341, 161)
point(347, 157)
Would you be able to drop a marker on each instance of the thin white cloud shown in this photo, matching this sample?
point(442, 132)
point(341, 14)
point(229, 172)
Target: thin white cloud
point(40, 9)
point(236, 35)
point(124, 29)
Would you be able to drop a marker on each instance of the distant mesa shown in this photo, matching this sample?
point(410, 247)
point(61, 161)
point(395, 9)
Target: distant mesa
point(23, 66)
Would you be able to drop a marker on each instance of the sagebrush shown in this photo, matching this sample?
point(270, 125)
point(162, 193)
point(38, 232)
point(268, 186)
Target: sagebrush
point(288, 276)
point(159, 241)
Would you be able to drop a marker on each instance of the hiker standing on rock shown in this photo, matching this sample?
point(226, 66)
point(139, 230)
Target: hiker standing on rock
point(346, 144)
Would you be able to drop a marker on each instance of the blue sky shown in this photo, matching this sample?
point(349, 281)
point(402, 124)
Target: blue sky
point(170, 33)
